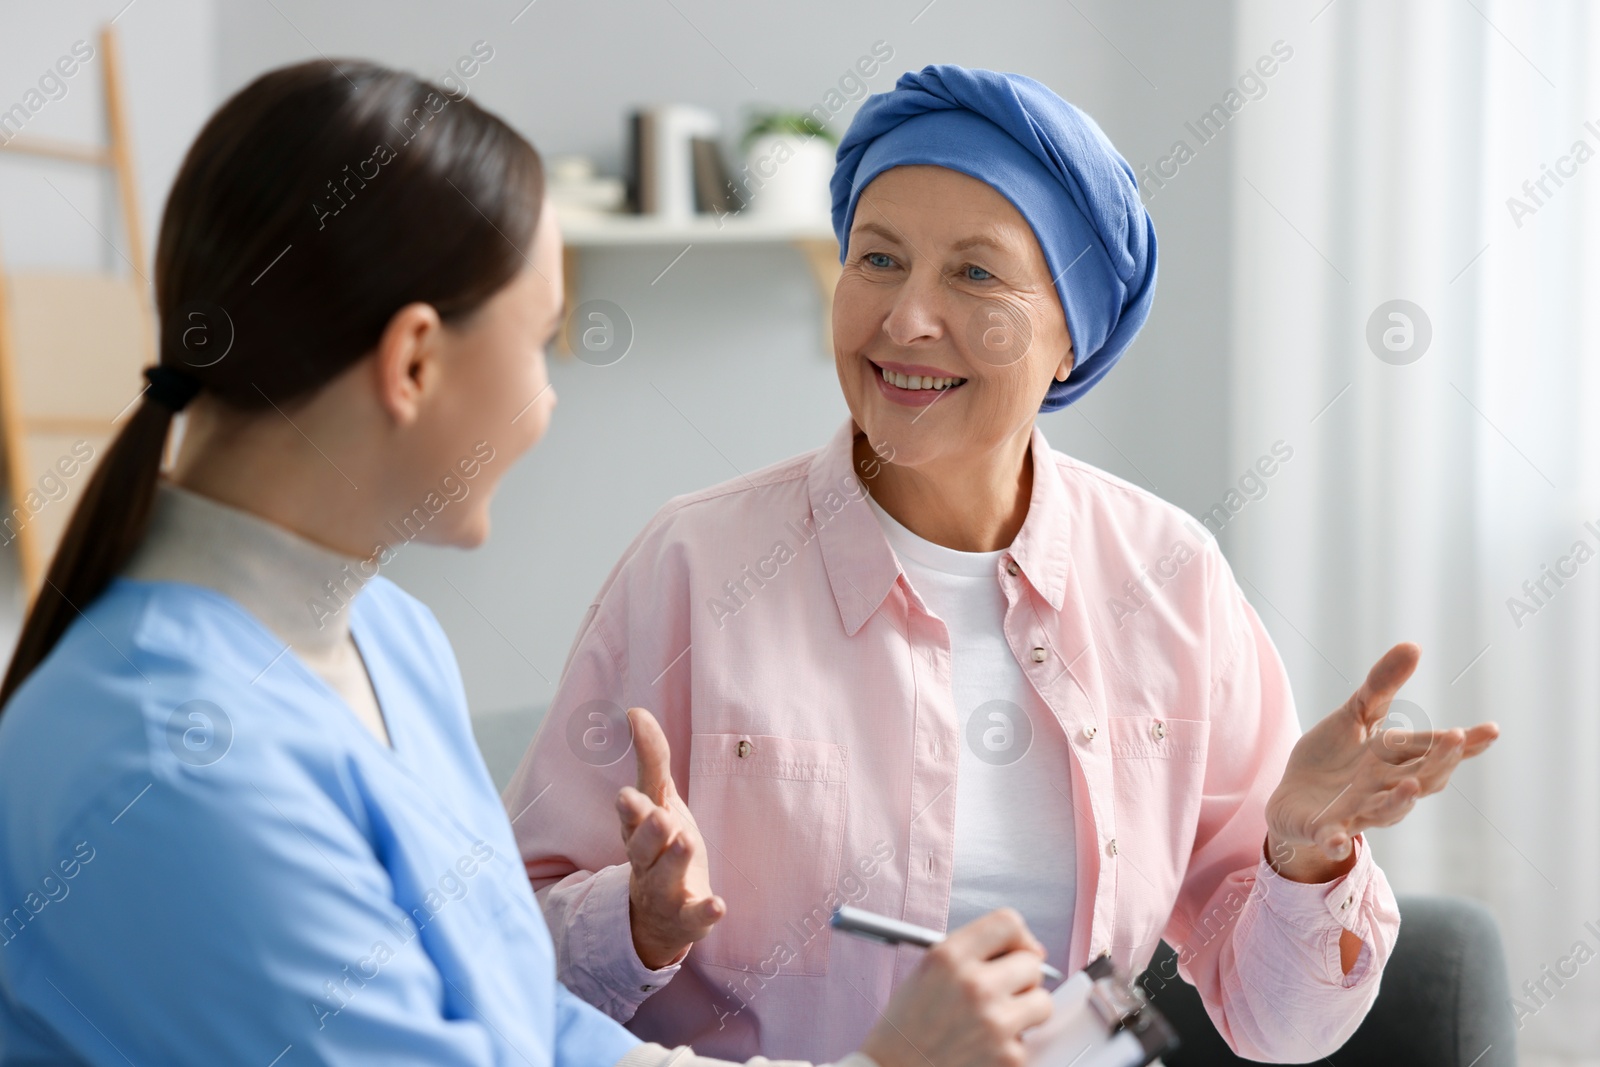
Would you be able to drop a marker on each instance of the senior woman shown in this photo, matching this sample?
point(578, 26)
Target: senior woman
point(936, 667)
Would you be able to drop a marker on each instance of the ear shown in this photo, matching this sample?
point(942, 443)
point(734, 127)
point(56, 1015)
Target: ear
point(406, 360)
point(1064, 369)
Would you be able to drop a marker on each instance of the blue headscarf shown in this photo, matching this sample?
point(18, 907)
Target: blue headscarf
point(1055, 166)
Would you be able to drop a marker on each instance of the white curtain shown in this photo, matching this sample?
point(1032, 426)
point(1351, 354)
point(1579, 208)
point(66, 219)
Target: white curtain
point(1425, 489)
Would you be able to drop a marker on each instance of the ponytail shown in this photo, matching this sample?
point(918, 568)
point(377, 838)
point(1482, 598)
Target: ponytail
point(106, 526)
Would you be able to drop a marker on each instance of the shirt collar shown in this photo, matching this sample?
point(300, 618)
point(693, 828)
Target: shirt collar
point(861, 566)
point(1041, 548)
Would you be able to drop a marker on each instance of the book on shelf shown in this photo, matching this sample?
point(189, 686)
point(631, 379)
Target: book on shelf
point(713, 189)
point(642, 162)
point(676, 169)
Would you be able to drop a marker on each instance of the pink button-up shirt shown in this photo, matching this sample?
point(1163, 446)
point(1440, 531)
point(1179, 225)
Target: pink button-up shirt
point(805, 691)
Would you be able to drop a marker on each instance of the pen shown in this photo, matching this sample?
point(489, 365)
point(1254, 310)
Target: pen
point(880, 928)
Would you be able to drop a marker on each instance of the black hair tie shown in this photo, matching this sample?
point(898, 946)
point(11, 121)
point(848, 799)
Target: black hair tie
point(170, 387)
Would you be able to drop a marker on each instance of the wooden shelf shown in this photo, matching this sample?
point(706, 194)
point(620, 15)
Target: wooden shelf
point(813, 240)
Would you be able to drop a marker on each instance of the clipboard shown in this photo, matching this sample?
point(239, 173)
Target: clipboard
point(1101, 1019)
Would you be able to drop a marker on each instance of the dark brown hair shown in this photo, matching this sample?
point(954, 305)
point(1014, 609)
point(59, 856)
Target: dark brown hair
point(318, 201)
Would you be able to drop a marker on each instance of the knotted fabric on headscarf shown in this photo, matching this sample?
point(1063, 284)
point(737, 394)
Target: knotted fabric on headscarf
point(1056, 167)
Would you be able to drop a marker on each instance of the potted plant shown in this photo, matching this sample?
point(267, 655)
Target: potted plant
point(788, 162)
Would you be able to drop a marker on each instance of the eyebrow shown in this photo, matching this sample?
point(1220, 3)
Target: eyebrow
point(962, 245)
point(980, 239)
point(882, 231)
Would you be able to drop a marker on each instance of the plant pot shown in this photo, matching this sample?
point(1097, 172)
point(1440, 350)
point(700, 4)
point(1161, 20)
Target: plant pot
point(786, 177)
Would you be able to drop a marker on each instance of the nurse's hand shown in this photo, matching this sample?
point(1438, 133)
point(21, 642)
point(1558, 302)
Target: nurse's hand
point(968, 1001)
point(1347, 774)
point(670, 903)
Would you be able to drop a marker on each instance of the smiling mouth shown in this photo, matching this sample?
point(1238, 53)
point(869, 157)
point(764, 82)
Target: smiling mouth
point(916, 382)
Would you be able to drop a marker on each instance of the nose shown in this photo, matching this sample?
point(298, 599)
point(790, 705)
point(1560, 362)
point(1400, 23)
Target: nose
point(917, 314)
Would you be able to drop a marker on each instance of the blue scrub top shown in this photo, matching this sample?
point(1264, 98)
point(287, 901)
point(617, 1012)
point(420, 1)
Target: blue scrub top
point(207, 859)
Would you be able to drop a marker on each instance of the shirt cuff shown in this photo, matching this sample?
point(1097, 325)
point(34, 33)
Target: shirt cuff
point(1317, 905)
point(1323, 908)
point(609, 953)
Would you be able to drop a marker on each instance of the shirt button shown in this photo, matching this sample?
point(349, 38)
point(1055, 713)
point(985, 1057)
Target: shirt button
point(1159, 730)
point(1089, 732)
point(1039, 655)
point(1111, 846)
point(646, 988)
point(743, 749)
point(1012, 568)
point(1347, 901)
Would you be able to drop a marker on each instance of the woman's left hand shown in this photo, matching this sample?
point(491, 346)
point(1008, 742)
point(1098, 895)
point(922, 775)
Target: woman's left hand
point(1347, 774)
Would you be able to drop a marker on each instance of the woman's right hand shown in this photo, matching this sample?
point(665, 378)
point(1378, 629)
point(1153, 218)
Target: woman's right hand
point(968, 1001)
point(670, 902)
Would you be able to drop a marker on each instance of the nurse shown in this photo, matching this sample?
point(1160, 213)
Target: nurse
point(243, 817)
point(938, 650)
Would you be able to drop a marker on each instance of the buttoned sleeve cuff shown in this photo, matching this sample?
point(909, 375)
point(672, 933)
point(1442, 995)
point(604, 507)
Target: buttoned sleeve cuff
point(1319, 911)
point(616, 974)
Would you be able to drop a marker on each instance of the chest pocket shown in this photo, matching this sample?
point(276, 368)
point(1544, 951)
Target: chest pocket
point(772, 811)
point(1157, 738)
point(1158, 771)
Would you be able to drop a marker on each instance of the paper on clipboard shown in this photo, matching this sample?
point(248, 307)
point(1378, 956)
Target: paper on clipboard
point(1078, 1035)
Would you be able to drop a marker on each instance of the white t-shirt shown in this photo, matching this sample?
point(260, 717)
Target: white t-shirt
point(1014, 827)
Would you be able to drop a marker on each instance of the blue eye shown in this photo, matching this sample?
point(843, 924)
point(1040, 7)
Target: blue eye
point(973, 271)
point(879, 259)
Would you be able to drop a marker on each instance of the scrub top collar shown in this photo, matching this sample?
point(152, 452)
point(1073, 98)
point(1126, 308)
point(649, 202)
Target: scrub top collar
point(298, 589)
